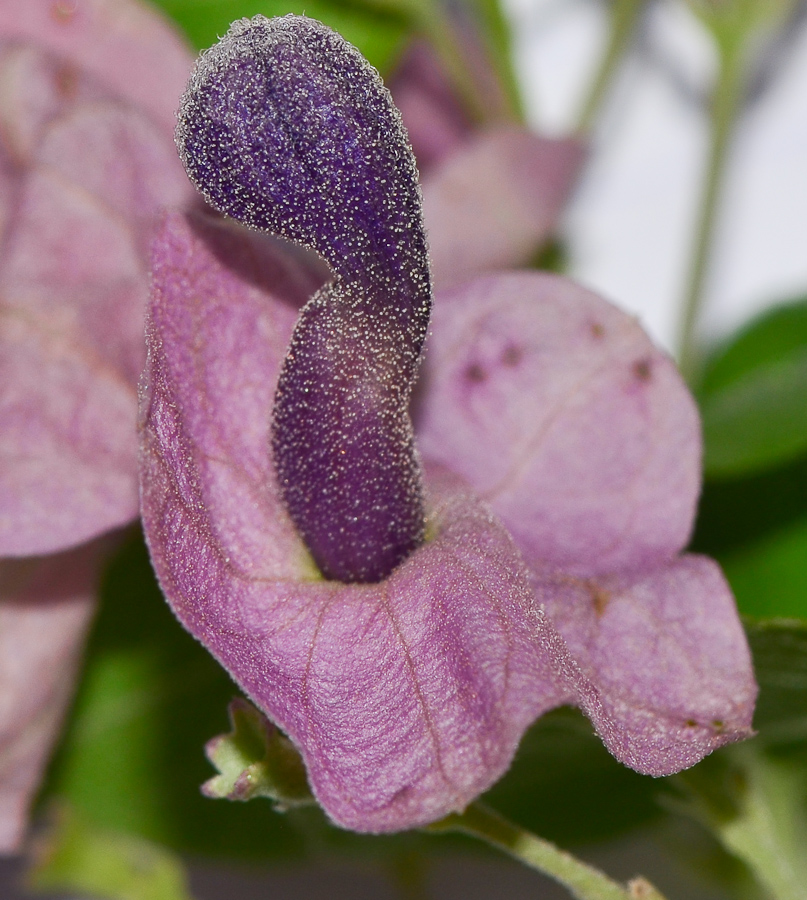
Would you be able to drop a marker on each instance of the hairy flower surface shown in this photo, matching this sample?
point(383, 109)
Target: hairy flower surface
point(86, 160)
point(561, 455)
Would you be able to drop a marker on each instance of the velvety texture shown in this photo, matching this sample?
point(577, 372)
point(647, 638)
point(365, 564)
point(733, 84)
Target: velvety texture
point(665, 673)
point(559, 411)
point(287, 128)
point(406, 698)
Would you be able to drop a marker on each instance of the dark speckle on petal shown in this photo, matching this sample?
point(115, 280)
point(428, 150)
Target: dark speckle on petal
point(63, 11)
point(512, 355)
point(642, 369)
point(476, 373)
point(67, 81)
point(599, 597)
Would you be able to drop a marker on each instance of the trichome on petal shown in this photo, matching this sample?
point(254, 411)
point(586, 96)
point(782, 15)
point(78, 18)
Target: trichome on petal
point(287, 128)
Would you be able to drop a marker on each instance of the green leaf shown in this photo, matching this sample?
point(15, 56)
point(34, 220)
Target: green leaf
point(72, 856)
point(758, 421)
point(769, 576)
point(751, 796)
point(737, 512)
point(256, 760)
point(379, 33)
point(753, 396)
point(756, 806)
point(740, 26)
point(780, 662)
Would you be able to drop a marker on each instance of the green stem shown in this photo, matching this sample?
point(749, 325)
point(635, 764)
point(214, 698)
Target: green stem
point(623, 21)
point(726, 101)
point(583, 881)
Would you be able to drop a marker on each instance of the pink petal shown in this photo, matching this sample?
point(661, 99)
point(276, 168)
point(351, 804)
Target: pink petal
point(45, 609)
point(494, 202)
point(86, 177)
point(76, 244)
point(35, 88)
point(559, 411)
point(250, 308)
point(407, 698)
point(126, 45)
point(665, 670)
point(68, 452)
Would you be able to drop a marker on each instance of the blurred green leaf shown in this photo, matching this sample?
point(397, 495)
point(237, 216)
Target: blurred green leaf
point(769, 576)
point(780, 661)
point(777, 333)
point(755, 805)
point(740, 511)
point(566, 787)
point(378, 31)
point(753, 396)
point(751, 796)
point(740, 26)
point(71, 856)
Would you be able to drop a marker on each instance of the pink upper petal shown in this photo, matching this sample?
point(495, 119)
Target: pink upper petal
point(407, 698)
point(45, 609)
point(494, 201)
point(665, 670)
point(126, 45)
point(559, 411)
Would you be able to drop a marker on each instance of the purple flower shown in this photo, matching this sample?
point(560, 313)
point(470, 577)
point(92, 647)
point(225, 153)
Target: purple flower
point(86, 159)
point(525, 557)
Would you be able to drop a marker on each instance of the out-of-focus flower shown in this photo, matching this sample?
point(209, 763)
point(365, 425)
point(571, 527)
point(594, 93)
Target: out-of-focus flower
point(407, 687)
point(88, 91)
point(491, 195)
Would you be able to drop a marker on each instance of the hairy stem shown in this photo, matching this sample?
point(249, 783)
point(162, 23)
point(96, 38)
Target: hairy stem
point(583, 881)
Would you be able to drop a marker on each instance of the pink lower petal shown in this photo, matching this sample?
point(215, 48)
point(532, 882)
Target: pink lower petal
point(665, 670)
point(407, 698)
